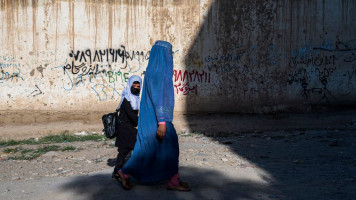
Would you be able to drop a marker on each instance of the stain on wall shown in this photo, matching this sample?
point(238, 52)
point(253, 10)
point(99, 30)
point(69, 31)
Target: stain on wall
point(240, 56)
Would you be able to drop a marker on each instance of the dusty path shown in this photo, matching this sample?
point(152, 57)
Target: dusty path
point(310, 164)
point(285, 156)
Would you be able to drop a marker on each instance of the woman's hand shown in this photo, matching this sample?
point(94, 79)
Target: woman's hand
point(161, 131)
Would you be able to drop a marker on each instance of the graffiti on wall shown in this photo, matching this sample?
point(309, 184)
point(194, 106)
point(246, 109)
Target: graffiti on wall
point(10, 76)
point(314, 69)
point(8, 61)
point(186, 82)
point(9, 70)
point(105, 71)
point(99, 61)
point(240, 58)
point(36, 92)
point(104, 85)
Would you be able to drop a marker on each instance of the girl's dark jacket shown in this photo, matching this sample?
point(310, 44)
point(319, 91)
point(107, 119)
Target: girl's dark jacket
point(127, 121)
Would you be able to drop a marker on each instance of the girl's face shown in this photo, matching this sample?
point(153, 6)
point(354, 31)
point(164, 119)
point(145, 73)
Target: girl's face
point(136, 85)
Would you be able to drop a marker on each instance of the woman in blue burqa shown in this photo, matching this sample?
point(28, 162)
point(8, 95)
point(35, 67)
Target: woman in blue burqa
point(156, 151)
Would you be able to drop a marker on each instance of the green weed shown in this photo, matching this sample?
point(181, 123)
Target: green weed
point(11, 150)
point(25, 151)
point(64, 137)
point(29, 154)
point(69, 148)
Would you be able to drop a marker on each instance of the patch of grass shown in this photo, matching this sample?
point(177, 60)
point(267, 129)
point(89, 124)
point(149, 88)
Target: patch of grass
point(25, 151)
point(29, 154)
point(46, 149)
point(11, 150)
point(64, 137)
point(16, 142)
point(69, 148)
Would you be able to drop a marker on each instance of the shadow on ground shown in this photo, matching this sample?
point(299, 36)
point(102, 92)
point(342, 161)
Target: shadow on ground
point(205, 183)
point(234, 44)
point(291, 165)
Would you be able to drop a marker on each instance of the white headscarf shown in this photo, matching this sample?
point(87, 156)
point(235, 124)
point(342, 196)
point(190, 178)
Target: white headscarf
point(133, 99)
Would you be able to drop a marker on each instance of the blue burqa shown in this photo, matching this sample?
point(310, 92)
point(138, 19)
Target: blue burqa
point(153, 160)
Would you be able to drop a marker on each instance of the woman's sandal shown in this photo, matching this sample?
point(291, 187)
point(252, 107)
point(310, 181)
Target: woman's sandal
point(125, 183)
point(183, 186)
point(116, 177)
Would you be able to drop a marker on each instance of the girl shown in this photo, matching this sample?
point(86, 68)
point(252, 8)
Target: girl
point(128, 118)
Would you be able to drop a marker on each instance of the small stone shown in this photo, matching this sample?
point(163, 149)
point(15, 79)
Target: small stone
point(83, 133)
point(224, 159)
point(51, 154)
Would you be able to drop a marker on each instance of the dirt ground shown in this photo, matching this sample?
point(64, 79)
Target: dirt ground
point(222, 156)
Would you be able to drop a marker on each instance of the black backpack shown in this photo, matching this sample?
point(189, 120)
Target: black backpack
point(110, 124)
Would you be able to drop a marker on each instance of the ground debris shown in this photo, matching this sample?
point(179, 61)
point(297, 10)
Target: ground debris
point(51, 154)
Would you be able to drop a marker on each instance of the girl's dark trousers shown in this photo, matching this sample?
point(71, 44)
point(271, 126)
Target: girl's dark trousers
point(126, 136)
point(121, 158)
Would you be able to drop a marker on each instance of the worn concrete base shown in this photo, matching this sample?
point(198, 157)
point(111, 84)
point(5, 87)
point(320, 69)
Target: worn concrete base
point(27, 124)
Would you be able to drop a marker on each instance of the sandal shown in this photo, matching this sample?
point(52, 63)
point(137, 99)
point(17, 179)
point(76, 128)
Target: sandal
point(116, 177)
point(125, 183)
point(183, 187)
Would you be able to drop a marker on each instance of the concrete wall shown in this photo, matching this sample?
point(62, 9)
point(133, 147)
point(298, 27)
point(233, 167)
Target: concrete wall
point(244, 56)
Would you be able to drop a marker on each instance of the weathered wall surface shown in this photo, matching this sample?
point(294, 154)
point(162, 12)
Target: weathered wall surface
point(244, 56)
